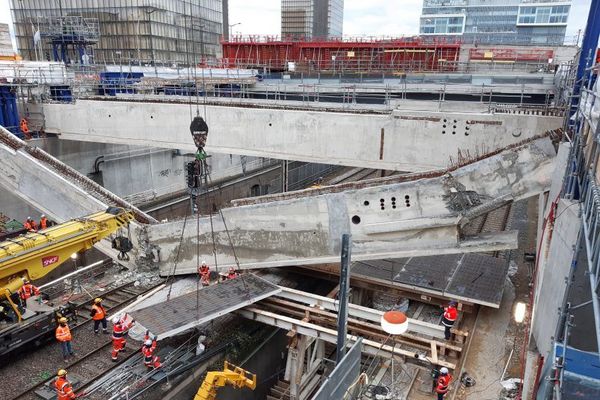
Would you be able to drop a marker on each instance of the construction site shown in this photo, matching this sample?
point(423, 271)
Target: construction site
point(337, 218)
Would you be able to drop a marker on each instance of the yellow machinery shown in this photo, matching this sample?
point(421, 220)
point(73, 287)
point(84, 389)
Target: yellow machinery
point(35, 254)
point(231, 375)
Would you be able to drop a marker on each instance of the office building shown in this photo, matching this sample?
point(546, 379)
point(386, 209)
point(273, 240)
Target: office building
point(106, 31)
point(497, 21)
point(308, 19)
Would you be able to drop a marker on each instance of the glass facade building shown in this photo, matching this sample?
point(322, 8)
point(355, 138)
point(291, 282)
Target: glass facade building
point(308, 19)
point(161, 31)
point(542, 22)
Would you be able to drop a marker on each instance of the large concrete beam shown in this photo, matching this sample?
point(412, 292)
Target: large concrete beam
point(398, 140)
point(410, 218)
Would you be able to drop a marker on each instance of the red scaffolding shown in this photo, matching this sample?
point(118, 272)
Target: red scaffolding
point(408, 54)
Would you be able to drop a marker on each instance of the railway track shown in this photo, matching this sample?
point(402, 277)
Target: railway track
point(96, 360)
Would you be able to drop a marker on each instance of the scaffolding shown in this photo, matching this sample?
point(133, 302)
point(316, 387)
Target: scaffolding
point(341, 55)
point(69, 36)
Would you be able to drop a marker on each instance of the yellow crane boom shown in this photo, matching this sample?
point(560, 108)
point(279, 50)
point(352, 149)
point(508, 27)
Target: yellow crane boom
point(35, 254)
point(231, 375)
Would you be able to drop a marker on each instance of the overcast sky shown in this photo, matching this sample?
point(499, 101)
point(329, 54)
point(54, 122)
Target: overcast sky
point(361, 17)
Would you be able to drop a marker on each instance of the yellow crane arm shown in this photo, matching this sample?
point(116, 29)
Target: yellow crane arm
point(231, 375)
point(35, 254)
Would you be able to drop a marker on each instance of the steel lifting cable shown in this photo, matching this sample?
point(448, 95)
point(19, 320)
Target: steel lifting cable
point(172, 274)
point(237, 261)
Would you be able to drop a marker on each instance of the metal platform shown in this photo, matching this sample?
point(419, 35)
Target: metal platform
point(185, 312)
point(472, 277)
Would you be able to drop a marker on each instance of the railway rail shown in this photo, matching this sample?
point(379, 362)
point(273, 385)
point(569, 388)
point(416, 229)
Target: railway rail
point(96, 360)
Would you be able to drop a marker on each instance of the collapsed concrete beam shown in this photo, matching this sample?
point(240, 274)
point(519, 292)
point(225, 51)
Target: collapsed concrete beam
point(411, 218)
point(397, 140)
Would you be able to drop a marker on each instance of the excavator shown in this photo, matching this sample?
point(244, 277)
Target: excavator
point(231, 375)
point(32, 256)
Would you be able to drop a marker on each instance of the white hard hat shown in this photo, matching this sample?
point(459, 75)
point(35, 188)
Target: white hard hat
point(43, 215)
point(148, 342)
point(203, 262)
point(443, 370)
point(115, 320)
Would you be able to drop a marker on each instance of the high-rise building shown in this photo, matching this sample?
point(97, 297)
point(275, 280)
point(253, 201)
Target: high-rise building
point(307, 19)
point(497, 21)
point(161, 31)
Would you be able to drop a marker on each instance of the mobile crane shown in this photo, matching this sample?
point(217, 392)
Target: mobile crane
point(35, 254)
point(231, 375)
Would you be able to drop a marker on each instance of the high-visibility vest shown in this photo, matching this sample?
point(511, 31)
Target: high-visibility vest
point(443, 383)
point(64, 390)
point(28, 226)
point(28, 290)
point(118, 331)
point(100, 314)
point(63, 333)
point(43, 223)
point(24, 126)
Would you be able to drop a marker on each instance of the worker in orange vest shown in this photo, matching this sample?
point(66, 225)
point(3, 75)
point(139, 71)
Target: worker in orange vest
point(25, 128)
point(98, 314)
point(449, 318)
point(64, 389)
point(150, 360)
point(43, 222)
point(119, 336)
point(30, 225)
point(28, 290)
point(443, 383)
point(232, 274)
point(204, 272)
point(63, 335)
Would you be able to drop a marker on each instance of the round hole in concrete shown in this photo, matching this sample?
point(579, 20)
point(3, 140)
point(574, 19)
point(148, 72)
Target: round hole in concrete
point(454, 132)
point(366, 202)
point(152, 117)
point(356, 220)
point(443, 132)
point(109, 115)
point(393, 199)
point(382, 201)
point(406, 197)
point(394, 206)
point(270, 124)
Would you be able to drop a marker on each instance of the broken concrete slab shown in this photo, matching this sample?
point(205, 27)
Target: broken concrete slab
point(390, 220)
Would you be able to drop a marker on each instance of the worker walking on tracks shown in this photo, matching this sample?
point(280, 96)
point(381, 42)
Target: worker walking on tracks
point(204, 273)
point(119, 336)
point(443, 383)
point(449, 318)
point(64, 389)
point(151, 361)
point(98, 314)
point(63, 335)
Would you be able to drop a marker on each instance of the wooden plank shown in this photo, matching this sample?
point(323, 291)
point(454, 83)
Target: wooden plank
point(434, 355)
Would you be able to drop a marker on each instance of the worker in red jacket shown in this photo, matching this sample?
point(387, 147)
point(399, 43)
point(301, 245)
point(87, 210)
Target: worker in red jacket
point(204, 272)
point(443, 383)
point(449, 318)
point(64, 389)
point(119, 337)
point(98, 315)
point(150, 360)
point(232, 274)
point(28, 290)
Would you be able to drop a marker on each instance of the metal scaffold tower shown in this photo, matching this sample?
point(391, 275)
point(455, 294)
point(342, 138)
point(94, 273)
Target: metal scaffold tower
point(69, 37)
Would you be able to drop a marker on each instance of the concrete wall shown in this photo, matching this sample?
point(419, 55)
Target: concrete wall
point(141, 173)
point(552, 271)
point(411, 140)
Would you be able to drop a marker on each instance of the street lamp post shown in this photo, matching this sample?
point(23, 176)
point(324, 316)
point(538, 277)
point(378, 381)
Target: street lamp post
point(231, 30)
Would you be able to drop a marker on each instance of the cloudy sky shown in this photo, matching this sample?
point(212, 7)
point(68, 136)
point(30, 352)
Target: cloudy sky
point(361, 17)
